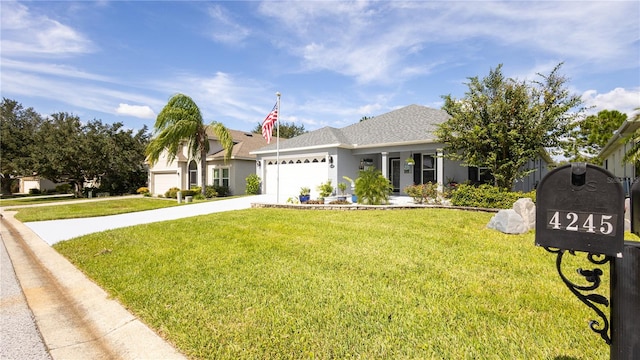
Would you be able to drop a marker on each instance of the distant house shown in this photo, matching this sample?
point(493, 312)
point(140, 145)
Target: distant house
point(400, 143)
point(613, 153)
point(184, 173)
point(29, 183)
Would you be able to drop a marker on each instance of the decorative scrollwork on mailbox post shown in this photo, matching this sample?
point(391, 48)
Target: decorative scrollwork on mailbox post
point(594, 278)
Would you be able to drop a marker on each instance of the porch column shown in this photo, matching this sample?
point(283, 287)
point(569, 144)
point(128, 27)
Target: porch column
point(385, 165)
point(440, 168)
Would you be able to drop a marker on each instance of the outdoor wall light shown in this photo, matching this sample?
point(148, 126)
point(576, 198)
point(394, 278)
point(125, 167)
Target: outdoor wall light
point(331, 161)
point(258, 163)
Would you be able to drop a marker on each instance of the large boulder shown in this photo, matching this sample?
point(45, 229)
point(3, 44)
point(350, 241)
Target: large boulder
point(527, 210)
point(508, 222)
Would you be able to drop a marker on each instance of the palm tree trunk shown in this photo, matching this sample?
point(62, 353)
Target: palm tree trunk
point(203, 171)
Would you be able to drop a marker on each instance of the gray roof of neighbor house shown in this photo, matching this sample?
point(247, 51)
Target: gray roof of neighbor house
point(410, 124)
point(244, 143)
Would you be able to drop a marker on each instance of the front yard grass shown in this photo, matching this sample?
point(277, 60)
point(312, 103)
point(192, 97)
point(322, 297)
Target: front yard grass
point(401, 284)
point(91, 209)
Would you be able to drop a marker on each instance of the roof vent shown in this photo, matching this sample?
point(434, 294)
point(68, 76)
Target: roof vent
point(248, 134)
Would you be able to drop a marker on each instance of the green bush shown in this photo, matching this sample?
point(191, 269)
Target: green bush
point(253, 184)
point(423, 193)
point(221, 191)
point(210, 192)
point(486, 196)
point(34, 191)
point(325, 189)
point(143, 190)
point(372, 187)
point(172, 193)
point(64, 189)
point(189, 192)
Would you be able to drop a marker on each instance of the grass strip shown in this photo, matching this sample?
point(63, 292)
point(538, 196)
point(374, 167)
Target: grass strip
point(402, 284)
point(91, 209)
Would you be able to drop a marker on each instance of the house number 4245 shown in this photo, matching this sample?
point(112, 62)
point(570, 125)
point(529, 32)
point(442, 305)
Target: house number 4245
point(603, 224)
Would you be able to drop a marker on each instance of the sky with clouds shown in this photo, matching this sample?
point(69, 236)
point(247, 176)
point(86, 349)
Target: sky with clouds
point(333, 61)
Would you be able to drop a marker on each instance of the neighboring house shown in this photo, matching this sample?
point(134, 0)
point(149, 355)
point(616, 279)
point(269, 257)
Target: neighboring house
point(400, 143)
point(35, 182)
point(184, 173)
point(613, 153)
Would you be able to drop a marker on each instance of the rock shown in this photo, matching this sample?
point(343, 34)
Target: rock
point(527, 210)
point(508, 222)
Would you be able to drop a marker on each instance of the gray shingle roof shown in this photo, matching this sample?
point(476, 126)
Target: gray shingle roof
point(413, 123)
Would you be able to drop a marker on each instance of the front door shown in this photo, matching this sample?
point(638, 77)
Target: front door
point(394, 174)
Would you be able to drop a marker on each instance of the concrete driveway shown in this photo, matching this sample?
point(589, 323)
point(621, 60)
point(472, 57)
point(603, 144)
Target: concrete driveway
point(53, 231)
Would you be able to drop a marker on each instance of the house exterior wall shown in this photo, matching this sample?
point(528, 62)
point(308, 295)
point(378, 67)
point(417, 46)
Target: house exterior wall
point(614, 164)
point(27, 184)
point(531, 181)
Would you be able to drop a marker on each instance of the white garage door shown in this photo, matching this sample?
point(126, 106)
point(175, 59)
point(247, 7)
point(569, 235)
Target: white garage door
point(163, 182)
point(296, 173)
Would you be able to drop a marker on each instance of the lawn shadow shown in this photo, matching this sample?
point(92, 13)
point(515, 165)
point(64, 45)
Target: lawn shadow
point(562, 357)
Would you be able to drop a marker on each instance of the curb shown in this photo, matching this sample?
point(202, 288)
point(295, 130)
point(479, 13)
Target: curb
point(76, 317)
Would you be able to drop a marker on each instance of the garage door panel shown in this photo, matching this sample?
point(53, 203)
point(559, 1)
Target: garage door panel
point(294, 176)
point(163, 182)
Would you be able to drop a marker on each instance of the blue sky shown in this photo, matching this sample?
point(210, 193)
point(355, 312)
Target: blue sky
point(334, 62)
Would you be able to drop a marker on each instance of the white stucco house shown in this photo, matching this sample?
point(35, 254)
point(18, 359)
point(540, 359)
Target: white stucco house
point(185, 173)
point(389, 142)
point(613, 153)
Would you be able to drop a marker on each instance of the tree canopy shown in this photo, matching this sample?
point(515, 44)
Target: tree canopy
point(502, 123)
point(17, 128)
point(62, 148)
point(592, 134)
point(287, 130)
point(180, 122)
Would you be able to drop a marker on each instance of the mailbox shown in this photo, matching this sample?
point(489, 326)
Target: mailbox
point(635, 207)
point(580, 207)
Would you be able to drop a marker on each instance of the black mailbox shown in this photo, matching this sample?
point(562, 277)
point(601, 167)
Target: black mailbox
point(635, 208)
point(580, 207)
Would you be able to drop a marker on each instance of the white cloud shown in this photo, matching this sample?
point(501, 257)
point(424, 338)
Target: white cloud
point(143, 112)
point(224, 28)
point(623, 100)
point(375, 41)
point(24, 33)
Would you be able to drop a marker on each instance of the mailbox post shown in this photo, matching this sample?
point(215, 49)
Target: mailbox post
point(580, 207)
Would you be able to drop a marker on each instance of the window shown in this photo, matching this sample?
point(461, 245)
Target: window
point(428, 169)
point(221, 177)
point(193, 174)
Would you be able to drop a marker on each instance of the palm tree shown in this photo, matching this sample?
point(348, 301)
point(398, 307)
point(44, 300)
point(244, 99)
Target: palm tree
point(180, 121)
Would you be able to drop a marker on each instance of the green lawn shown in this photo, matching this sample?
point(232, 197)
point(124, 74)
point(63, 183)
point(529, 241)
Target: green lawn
point(90, 209)
point(33, 199)
point(401, 284)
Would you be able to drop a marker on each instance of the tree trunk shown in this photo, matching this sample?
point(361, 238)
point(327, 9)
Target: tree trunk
point(203, 171)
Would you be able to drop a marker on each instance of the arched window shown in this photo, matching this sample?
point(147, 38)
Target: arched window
point(193, 174)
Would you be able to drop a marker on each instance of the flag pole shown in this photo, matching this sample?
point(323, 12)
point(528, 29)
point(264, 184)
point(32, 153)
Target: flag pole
point(278, 150)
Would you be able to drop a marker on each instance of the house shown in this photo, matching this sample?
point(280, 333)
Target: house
point(400, 143)
point(185, 173)
point(613, 153)
point(30, 183)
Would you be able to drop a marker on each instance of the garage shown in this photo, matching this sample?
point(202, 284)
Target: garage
point(296, 173)
point(161, 182)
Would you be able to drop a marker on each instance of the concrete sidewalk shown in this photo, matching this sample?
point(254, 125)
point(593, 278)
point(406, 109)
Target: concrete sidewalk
point(75, 317)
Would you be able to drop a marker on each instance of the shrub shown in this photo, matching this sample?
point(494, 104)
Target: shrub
point(196, 190)
point(486, 196)
point(189, 192)
point(221, 191)
point(34, 191)
point(63, 189)
point(253, 184)
point(210, 192)
point(340, 202)
point(325, 189)
point(424, 193)
point(199, 196)
point(143, 190)
point(172, 193)
point(372, 187)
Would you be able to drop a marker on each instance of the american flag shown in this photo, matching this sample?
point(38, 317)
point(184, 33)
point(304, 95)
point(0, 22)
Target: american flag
point(267, 124)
